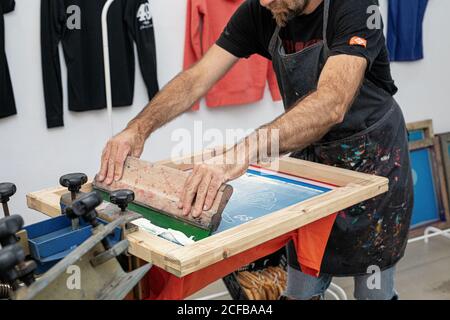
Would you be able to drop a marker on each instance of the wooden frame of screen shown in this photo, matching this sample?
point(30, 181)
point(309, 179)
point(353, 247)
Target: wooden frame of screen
point(351, 188)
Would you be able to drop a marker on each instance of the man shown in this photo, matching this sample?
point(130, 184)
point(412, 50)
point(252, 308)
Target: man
point(334, 75)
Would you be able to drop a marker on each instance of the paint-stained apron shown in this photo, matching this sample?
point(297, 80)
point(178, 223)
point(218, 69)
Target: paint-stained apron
point(372, 233)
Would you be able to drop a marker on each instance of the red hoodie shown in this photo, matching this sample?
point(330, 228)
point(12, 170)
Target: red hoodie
point(246, 81)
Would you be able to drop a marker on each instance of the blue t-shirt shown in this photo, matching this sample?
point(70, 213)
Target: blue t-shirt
point(404, 37)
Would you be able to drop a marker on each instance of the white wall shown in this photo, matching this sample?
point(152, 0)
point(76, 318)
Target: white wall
point(33, 157)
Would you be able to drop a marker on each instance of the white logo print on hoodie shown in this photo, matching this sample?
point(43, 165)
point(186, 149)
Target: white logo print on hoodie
point(144, 15)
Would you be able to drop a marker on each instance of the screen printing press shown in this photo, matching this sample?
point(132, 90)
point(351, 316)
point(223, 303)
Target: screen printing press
point(267, 203)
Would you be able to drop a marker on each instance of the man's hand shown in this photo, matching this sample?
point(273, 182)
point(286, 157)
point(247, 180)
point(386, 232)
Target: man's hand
point(205, 182)
point(127, 143)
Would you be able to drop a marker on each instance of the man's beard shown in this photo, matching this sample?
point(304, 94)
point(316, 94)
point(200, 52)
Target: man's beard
point(283, 10)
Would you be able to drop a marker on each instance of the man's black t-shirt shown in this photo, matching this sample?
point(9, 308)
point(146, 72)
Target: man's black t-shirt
point(7, 104)
point(252, 26)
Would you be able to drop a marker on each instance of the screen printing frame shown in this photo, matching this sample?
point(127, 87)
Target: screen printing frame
point(444, 144)
point(432, 143)
point(350, 188)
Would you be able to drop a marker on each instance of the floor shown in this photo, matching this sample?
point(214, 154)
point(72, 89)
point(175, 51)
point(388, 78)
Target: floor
point(423, 274)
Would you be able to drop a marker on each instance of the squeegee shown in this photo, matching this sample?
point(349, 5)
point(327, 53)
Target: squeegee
point(158, 190)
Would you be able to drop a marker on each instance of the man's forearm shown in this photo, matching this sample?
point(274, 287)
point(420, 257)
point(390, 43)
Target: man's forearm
point(294, 130)
point(313, 117)
point(308, 122)
point(174, 99)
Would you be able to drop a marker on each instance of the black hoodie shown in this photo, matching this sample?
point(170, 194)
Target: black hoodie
point(77, 24)
point(7, 104)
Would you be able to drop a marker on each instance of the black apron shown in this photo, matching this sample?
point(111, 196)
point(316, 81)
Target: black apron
point(373, 232)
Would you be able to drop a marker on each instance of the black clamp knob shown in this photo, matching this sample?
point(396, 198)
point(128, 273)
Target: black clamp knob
point(9, 226)
point(13, 266)
point(7, 190)
point(85, 207)
point(26, 271)
point(10, 257)
point(122, 198)
point(73, 182)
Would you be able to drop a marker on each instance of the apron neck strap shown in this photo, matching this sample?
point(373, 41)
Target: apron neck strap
point(274, 41)
point(326, 15)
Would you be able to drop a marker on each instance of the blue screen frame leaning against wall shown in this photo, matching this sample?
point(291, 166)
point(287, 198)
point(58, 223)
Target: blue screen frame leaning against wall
point(429, 187)
point(444, 141)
